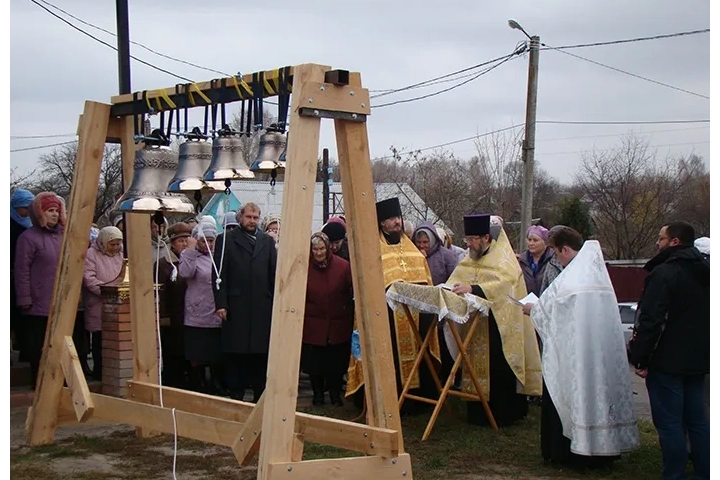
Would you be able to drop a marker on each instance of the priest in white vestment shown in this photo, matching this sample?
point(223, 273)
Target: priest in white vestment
point(584, 362)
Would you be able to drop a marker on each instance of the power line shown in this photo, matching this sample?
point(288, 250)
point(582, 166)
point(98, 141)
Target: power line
point(632, 74)
point(107, 44)
point(40, 146)
point(169, 57)
point(652, 132)
point(629, 40)
point(620, 122)
point(22, 137)
point(608, 149)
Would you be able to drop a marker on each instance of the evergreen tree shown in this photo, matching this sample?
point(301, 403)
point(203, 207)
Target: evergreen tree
point(574, 214)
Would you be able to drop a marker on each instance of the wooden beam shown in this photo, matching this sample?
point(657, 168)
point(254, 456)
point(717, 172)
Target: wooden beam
point(247, 442)
point(357, 468)
point(370, 304)
point(68, 277)
point(326, 96)
point(72, 370)
point(278, 425)
point(316, 429)
point(114, 129)
point(142, 293)
point(298, 447)
point(123, 104)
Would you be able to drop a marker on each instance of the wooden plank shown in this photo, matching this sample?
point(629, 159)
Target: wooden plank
point(247, 442)
point(370, 303)
point(68, 278)
point(70, 363)
point(113, 132)
point(326, 96)
point(358, 468)
point(142, 295)
point(298, 447)
point(291, 281)
point(189, 425)
point(316, 429)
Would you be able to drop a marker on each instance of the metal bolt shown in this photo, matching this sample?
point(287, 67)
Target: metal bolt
point(389, 415)
point(372, 444)
point(304, 187)
point(254, 432)
point(69, 344)
point(354, 116)
point(316, 113)
point(365, 434)
point(310, 100)
point(404, 473)
point(242, 439)
point(322, 88)
point(352, 93)
point(363, 194)
point(292, 310)
point(289, 468)
point(377, 314)
point(362, 104)
point(394, 461)
point(76, 402)
point(284, 419)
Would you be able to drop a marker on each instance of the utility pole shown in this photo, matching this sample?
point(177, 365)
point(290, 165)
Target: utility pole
point(326, 184)
point(123, 38)
point(528, 147)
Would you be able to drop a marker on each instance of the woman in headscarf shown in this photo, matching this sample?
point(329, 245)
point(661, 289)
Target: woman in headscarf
point(271, 226)
point(20, 202)
point(103, 266)
point(336, 231)
point(534, 260)
point(328, 325)
point(202, 324)
point(172, 307)
point(36, 259)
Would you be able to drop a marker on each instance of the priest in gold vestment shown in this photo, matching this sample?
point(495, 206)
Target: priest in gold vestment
point(503, 350)
point(401, 261)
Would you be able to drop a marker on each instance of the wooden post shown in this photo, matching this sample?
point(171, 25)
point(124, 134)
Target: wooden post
point(370, 303)
point(142, 295)
point(278, 424)
point(66, 292)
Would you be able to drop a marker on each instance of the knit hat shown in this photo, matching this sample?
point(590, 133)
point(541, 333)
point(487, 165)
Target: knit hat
point(335, 231)
point(208, 219)
point(179, 230)
point(204, 229)
point(21, 198)
point(230, 220)
point(43, 202)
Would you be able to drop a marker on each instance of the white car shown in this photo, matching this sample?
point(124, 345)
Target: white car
point(627, 317)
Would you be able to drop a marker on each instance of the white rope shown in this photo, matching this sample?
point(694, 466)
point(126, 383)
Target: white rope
point(218, 280)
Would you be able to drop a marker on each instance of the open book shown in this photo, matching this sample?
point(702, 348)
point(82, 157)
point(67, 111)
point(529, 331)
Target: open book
point(531, 298)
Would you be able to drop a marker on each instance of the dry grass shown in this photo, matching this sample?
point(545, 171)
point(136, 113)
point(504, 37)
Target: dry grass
point(454, 450)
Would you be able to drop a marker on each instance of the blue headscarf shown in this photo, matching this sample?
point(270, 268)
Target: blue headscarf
point(21, 198)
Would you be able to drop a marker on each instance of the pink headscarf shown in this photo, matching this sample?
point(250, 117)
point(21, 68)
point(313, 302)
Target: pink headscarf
point(538, 230)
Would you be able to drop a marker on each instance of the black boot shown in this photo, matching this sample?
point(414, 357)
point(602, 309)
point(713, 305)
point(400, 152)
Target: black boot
point(217, 386)
point(318, 387)
point(334, 385)
point(197, 378)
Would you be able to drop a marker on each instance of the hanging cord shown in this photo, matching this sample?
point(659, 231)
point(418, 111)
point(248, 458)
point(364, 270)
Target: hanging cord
point(222, 250)
point(283, 97)
point(212, 259)
point(160, 221)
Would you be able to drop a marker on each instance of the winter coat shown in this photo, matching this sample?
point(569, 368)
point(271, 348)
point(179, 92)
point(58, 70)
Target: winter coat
point(100, 269)
point(196, 268)
point(553, 268)
point(329, 303)
point(246, 290)
point(172, 305)
point(672, 330)
point(533, 282)
point(458, 252)
point(37, 256)
point(442, 261)
point(15, 231)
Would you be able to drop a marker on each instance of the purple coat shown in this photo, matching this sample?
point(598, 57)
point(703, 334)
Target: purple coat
point(100, 269)
point(196, 268)
point(442, 261)
point(37, 255)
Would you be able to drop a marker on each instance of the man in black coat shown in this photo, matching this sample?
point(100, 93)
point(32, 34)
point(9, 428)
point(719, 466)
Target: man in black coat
point(244, 300)
point(670, 348)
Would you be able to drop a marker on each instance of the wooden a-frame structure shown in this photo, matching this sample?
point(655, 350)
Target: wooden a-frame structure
point(271, 427)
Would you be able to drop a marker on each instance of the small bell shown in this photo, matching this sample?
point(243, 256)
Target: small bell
point(227, 158)
point(272, 144)
point(193, 161)
point(154, 167)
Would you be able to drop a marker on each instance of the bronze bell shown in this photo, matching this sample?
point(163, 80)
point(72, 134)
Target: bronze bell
point(227, 158)
point(193, 161)
point(272, 144)
point(154, 167)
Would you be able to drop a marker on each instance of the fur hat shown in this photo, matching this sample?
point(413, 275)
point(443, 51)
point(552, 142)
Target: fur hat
point(179, 230)
point(44, 201)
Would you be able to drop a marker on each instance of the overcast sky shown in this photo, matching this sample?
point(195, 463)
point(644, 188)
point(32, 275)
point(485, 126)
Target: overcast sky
point(54, 68)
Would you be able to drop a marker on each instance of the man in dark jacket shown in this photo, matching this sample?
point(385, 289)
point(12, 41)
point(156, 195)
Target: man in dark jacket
point(670, 348)
point(244, 301)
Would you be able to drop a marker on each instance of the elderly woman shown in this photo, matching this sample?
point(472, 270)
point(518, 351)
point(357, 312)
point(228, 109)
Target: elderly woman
point(202, 324)
point(271, 226)
point(103, 266)
point(336, 231)
point(534, 260)
point(36, 259)
point(172, 307)
point(328, 322)
point(20, 202)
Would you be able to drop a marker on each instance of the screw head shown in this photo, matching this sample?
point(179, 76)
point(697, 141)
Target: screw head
point(254, 432)
point(289, 468)
point(362, 104)
point(316, 112)
point(404, 473)
point(310, 100)
point(322, 88)
point(354, 116)
point(365, 434)
point(352, 93)
point(284, 419)
point(394, 461)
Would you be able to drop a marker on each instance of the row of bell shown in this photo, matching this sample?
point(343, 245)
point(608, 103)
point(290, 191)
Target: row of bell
point(160, 176)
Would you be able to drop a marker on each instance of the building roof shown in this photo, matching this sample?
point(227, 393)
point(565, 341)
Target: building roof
point(270, 201)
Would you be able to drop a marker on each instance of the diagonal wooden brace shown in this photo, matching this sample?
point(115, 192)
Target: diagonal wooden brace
point(247, 443)
point(75, 379)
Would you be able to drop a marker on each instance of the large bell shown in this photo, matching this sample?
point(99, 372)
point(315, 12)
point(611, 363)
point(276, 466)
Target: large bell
point(193, 161)
point(227, 158)
point(154, 167)
point(283, 156)
point(272, 144)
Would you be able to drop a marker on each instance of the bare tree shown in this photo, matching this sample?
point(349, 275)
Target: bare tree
point(20, 180)
point(631, 193)
point(251, 142)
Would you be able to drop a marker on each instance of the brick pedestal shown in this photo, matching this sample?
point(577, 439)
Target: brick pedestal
point(117, 347)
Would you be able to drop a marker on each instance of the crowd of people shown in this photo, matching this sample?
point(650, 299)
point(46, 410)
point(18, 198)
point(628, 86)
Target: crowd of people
point(565, 351)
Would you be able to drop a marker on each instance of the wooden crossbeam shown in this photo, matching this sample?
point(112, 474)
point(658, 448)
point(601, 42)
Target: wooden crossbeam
point(75, 379)
point(247, 442)
point(358, 468)
point(323, 430)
